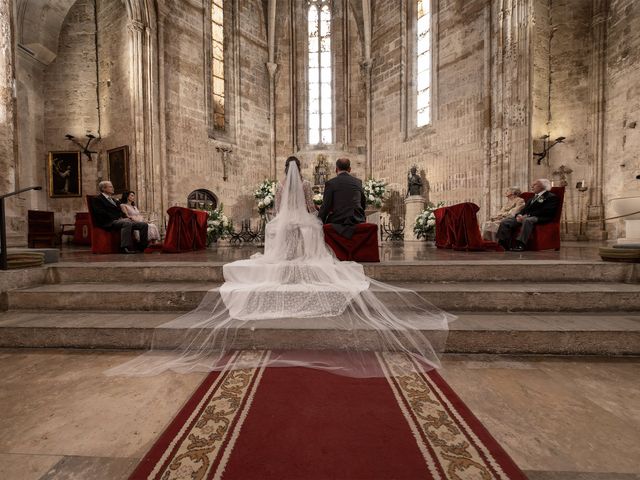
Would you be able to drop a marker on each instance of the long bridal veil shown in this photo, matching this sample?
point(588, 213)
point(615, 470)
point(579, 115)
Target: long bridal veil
point(300, 302)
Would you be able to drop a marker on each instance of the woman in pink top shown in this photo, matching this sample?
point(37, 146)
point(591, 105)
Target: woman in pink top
point(128, 206)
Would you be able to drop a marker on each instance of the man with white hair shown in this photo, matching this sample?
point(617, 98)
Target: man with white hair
point(540, 209)
point(107, 215)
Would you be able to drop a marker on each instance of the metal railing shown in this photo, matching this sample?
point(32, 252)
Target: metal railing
point(3, 226)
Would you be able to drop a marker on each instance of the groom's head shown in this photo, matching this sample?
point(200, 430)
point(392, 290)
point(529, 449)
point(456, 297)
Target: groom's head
point(343, 165)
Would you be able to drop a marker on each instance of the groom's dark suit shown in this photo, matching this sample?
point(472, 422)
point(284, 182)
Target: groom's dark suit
point(343, 204)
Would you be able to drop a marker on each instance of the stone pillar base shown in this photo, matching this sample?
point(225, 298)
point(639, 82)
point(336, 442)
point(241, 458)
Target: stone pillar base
point(414, 206)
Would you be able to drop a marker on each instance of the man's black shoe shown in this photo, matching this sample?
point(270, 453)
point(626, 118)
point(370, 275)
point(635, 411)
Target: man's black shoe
point(126, 250)
point(519, 247)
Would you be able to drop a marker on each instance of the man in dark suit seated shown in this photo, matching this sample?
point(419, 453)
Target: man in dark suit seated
point(540, 209)
point(343, 202)
point(108, 216)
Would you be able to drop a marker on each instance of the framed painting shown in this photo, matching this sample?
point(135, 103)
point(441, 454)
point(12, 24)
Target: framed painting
point(65, 174)
point(118, 168)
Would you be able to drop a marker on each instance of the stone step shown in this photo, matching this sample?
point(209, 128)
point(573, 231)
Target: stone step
point(465, 296)
point(427, 271)
point(607, 333)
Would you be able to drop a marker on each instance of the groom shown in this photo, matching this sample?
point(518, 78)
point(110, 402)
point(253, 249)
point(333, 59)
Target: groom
point(343, 202)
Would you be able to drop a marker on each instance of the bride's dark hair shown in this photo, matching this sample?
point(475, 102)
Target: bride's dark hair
point(289, 160)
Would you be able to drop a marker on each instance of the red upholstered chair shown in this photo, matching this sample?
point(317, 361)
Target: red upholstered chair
point(547, 236)
point(102, 241)
point(186, 231)
point(362, 247)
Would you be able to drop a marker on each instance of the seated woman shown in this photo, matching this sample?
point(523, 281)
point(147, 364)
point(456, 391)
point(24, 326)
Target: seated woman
point(510, 209)
point(128, 207)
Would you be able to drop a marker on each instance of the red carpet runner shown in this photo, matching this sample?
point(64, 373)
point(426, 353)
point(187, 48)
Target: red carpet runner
point(295, 423)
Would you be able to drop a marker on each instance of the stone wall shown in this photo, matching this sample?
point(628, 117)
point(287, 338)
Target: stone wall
point(451, 149)
point(193, 160)
point(622, 121)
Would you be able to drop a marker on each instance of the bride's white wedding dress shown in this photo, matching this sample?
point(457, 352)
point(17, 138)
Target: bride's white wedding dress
point(298, 284)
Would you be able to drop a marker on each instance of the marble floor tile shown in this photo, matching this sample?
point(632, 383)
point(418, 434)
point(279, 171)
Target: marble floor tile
point(25, 467)
point(94, 468)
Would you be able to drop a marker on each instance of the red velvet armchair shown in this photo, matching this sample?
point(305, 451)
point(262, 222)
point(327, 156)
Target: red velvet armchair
point(102, 241)
point(547, 236)
point(362, 247)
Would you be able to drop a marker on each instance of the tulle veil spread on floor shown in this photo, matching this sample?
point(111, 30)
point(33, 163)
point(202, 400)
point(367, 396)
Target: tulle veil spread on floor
point(300, 302)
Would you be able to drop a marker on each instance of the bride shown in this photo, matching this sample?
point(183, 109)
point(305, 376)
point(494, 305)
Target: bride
point(298, 286)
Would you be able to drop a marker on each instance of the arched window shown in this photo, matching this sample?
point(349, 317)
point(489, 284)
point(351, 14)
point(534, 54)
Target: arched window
point(217, 63)
point(423, 63)
point(320, 73)
point(202, 200)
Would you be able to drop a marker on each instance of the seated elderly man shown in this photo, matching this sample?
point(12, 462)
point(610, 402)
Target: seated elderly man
point(108, 215)
point(540, 209)
point(512, 206)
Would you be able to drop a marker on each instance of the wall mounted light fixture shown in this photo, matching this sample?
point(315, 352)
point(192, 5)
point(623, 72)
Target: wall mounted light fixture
point(546, 146)
point(84, 149)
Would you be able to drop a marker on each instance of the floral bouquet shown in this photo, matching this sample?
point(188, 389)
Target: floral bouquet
point(425, 224)
point(265, 195)
point(374, 191)
point(317, 199)
point(218, 225)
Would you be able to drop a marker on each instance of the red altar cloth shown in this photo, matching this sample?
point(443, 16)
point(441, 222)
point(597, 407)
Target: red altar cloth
point(187, 230)
point(362, 247)
point(457, 228)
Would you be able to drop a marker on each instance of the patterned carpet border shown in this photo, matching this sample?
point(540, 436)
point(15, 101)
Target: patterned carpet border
point(199, 442)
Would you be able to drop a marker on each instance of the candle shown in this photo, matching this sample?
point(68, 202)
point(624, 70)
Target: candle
point(553, 184)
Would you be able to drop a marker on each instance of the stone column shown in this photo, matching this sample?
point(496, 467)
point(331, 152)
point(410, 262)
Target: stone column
point(272, 67)
point(414, 206)
point(8, 148)
point(8, 121)
point(163, 168)
point(366, 64)
point(597, 80)
point(511, 97)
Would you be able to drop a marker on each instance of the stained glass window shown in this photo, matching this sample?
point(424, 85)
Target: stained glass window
point(423, 63)
point(217, 63)
point(320, 73)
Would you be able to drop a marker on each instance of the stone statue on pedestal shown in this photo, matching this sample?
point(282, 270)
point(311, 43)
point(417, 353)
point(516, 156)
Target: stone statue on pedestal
point(414, 182)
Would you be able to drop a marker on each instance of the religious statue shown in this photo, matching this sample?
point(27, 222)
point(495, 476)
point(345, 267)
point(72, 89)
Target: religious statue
point(321, 171)
point(414, 182)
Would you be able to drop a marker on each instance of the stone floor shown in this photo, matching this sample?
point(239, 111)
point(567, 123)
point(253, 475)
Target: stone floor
point(560, 419)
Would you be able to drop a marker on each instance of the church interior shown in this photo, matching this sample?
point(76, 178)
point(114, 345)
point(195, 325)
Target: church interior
point(195, 106)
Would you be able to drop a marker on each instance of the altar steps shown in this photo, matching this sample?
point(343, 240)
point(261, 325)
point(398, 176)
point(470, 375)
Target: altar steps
point(605, 333)
point(484, 296)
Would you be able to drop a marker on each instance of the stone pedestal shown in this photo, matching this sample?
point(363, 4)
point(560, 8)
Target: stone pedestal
point(373, 216)
point(414, 206)
point(632, 233)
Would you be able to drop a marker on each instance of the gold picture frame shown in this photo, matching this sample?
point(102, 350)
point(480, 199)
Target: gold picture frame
point(65, 174)
point(118, 168)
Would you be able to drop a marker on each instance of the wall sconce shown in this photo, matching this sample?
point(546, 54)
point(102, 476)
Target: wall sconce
point(546, 146)
point(84, 149)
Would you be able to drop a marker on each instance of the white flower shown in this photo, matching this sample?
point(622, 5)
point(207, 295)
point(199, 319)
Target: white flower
point(268, 200)
point(431, 223)
point(371, 198)
point(215, 223)
point(261, 204)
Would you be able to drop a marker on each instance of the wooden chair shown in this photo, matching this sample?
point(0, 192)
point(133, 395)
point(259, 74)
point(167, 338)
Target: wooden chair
point(41, 228)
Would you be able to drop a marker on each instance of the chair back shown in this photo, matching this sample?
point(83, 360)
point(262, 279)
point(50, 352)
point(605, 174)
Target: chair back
point(89, 200)
point(40, 223)
point(558, 192)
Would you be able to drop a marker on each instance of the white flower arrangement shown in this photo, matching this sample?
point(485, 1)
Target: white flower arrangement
point(265, 194)
point(218, 225)
point(317, 199)
point(425, 223)
point(374, 191)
